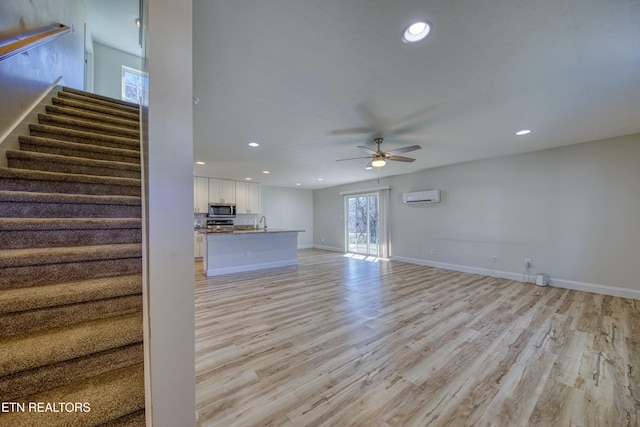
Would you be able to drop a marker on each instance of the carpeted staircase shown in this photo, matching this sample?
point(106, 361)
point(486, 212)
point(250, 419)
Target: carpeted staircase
point(70, 268)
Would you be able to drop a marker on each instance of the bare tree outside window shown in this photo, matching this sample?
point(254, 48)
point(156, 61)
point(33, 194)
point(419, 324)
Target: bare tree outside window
point(362, 224)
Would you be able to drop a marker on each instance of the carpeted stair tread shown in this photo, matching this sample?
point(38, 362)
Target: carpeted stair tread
point(96, 108)
point(57, 294)
point(74, 149)
point(56, 232)
point(92, 95)
point(43, 256)
point(65, 164)
point(111, 396)
point(42, 348)
point(49, 224)
point(82, 137)
point(64, 198)
point(62, 373)
point(32, 275)
point(61, 205)
point(22, 322)
point(106, 119)
point(130, 108)
point(40, 181)
point(86, 125)
point(135, 419)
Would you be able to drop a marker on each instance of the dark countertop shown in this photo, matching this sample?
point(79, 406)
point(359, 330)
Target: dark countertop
point(247, 231)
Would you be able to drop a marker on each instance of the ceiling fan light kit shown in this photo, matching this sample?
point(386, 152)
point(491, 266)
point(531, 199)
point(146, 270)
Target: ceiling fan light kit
point(378, 162)
point(379, 158)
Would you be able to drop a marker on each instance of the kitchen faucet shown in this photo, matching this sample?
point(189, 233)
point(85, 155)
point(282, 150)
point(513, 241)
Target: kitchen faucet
point(265, 221)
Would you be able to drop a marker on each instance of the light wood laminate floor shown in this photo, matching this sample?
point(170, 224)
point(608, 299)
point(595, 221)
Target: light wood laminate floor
point(338, 341)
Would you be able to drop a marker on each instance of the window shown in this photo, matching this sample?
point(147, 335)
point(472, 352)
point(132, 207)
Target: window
point(362, 224)
point(134, 84)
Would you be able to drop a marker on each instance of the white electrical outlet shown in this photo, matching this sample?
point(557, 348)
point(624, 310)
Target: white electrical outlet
point(494, 259)
point(433, 251)
point(528, 263)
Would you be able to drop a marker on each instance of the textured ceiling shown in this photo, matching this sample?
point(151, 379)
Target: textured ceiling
point(311, 80)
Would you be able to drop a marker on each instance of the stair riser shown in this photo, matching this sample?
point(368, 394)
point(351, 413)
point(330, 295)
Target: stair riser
point(42, 165)
point(67, 187)
point(60, 238)
point(15, 277)
point(94, 108)
point(67, 210)
point(98, 118)
point(89, 100)
point(60, 374)
point(84, 154)
point(50, 121)
point(126, 145)
point(54, 317)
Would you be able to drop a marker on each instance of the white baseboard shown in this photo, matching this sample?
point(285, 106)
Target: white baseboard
point(557, 283)
point(310, 246)
point(29, 110)
point(595, 288)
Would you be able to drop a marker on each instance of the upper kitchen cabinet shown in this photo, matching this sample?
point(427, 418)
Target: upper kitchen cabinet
point(247, 197)
point(200, 194)
point(222, 191)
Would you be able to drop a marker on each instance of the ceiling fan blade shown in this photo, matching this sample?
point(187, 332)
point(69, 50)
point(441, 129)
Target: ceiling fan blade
point(353, 158)
point(400, 159)
point(411, 122)
point(367, 116)
point(351, 131)
point(367, 149)
point(404, 149)
point(369, 165)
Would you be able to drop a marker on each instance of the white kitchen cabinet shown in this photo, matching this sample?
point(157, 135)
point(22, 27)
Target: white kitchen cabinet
point(200, 194)
point(222, 191)
point(197, 245)
point(247, 197)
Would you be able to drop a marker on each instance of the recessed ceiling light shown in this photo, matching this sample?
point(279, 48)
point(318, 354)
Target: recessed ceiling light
point(266, 172)
point(523, 132)
point(320, 179)
point(200, 163)
point(297, 183)
point(253, 144)
point(416, 31)
point(248, 179)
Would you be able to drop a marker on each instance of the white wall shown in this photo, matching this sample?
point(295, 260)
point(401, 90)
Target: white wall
point(107, 69)
point(573, 210)
point(25, 77)
point(290, 208)
point(168, 143)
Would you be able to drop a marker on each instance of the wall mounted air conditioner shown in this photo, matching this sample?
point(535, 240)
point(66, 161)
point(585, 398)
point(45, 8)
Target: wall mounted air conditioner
point(427, 196)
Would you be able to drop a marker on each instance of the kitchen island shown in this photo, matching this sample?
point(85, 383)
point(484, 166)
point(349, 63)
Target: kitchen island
point(248, 250)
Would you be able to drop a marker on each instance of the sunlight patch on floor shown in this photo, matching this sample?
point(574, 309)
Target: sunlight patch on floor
point(362, 257)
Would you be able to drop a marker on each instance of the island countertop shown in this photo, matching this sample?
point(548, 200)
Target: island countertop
point(247, 231)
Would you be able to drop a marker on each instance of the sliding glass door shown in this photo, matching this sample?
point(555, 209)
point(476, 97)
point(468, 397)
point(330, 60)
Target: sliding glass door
point(362, 224)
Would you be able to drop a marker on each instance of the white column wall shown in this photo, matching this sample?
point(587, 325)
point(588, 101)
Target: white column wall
point(169, 197)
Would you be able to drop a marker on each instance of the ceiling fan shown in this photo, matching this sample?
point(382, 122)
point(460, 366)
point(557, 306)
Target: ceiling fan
point(379, 158)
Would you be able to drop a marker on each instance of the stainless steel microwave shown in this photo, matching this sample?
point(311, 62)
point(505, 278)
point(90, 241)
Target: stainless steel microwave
point(222, 210)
